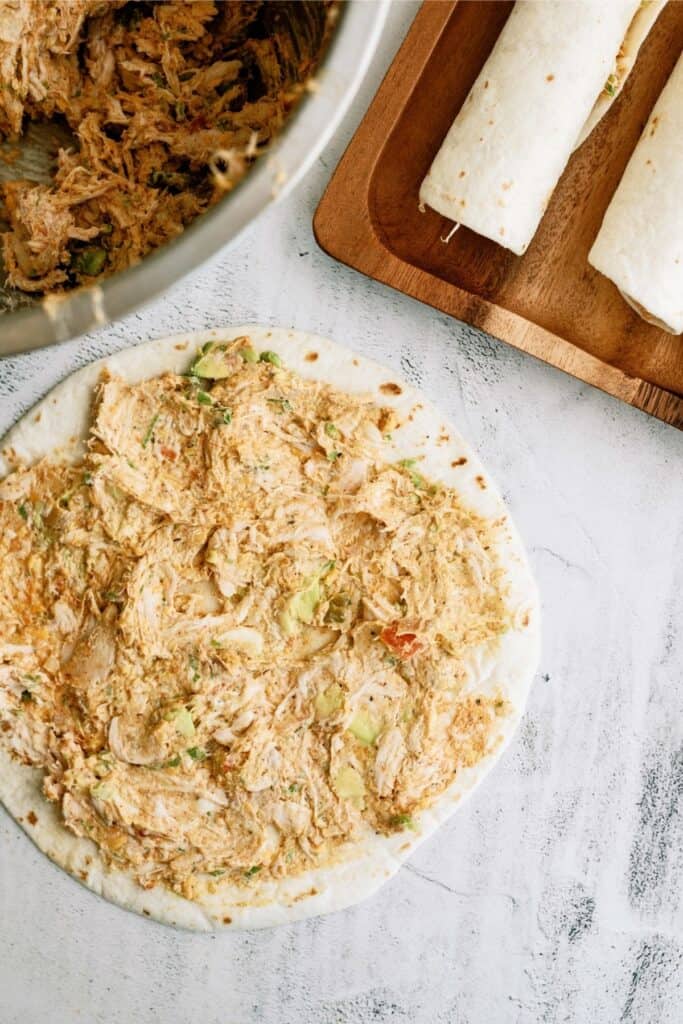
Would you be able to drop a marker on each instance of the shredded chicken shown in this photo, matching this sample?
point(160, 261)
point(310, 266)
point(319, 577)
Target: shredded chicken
point(236, 635)
point(169, 104)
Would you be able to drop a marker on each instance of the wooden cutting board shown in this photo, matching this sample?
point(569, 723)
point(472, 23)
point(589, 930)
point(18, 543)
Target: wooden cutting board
point(549, 302)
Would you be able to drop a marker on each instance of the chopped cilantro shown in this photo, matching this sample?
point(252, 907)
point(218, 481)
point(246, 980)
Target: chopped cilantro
point(333, 456)
point(23, 511)
point(217, 873)
point(284, 403)
point(331, 430)
point(204, 398)
point(253, 870)
point(197, 753)
point(174, 762)
point(88, 479)
point(150, 430)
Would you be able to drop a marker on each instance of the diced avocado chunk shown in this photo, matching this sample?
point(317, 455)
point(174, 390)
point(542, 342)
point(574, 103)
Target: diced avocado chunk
point(403, 821)
point(182, 720)
point(249, 355)
point(301, 607)
point(102, 791)
point(349, 785)
point(90, 261)
point(211, 363)
point(329, 701)
point(364, 728)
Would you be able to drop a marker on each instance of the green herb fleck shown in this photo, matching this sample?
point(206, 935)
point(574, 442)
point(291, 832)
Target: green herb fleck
point(226, 416)
point(204, 398)
point(26, 696)
point(23, 511)
point(284, 403)
point(217, 873)
point(248, 355)
point(150, 430)
point(174, 762)
point(294, 788)
point(253, 870)
point(197, 753)
point(333, 456)
point(270, 357)
point(88, 479)
point(610, 86)
point(331, 430)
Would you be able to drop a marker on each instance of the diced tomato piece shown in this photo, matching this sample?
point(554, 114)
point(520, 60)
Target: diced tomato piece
point(405, 645)
point(168, 453)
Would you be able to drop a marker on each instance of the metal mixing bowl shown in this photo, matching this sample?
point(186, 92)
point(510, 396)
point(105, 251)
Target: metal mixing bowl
point(60, 317)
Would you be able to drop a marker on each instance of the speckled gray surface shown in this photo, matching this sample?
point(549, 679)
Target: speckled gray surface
point(555, 894)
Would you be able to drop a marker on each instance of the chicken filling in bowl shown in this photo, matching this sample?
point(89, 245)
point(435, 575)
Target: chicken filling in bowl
point(236, 635)
point(168, 104)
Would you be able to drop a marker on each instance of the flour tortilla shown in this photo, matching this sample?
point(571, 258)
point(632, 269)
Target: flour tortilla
point(60, 422)
point(640, 243)
point(539, 95)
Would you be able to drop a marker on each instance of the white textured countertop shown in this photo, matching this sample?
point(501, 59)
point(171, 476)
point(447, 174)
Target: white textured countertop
point(555, 894)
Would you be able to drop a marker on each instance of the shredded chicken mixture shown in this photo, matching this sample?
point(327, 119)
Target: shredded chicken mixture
point(169, 103)
point(235, 636)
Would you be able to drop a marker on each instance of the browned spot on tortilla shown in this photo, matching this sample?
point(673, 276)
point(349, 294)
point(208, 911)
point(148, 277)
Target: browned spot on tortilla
point(83, 875)
point(181, 346)
point(655, 122)
point(550, 78)
point(525, 620)
point(227, 920)
point(506, 185)
point(311, 357)
point(146, 912)
point(482, 483)
point(389, 388)
point(305, 895)
point(459, 462)
point(492, 122)
point(355, 362)
point(486, 84)
point(463, 203)
point(462, 174)
point(38, 417)
point(31, 818)
point(501, 232)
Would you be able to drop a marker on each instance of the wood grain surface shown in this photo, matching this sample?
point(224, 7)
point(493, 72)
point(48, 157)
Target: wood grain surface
point(549, 302)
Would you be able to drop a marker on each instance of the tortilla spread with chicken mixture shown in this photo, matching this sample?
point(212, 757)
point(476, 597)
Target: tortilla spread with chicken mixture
point(235, 635)
point(168, 102)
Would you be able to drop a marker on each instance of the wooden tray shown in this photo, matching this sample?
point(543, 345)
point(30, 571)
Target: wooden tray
point(549, 302)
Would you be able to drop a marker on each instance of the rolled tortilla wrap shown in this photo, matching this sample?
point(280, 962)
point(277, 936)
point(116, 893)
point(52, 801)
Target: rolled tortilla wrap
point(510, 142)
point(640, 243)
